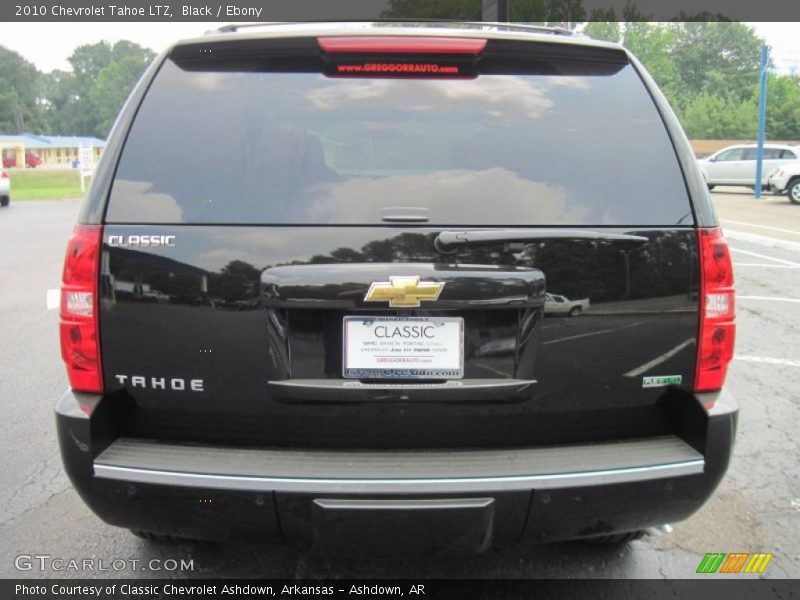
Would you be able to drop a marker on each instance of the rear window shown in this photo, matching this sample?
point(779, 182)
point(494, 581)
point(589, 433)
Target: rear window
point(252, 143)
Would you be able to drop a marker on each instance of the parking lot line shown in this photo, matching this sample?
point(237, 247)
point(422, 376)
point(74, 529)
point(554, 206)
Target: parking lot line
point(762, 240)
point(757, 255)
point(767, 227)
point(767, 360)
point(53, 300)
point(765, 266)
point(768, 298)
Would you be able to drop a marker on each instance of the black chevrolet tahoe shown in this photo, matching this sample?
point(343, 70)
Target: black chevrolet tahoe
point(305, 298)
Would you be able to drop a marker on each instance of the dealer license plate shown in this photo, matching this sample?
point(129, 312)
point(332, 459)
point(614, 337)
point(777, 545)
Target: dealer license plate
point(403, 347)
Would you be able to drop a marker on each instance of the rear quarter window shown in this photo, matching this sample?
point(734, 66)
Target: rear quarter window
point(730, 155)
point(275, 146)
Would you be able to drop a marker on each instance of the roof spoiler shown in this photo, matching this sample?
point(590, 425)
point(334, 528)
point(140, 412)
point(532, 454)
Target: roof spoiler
point(489, 25)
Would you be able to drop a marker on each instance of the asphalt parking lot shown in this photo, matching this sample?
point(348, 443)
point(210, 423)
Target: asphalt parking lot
point(756, 508)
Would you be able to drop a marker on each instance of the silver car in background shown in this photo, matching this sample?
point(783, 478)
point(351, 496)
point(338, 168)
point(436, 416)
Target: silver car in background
point(5, 188)
point(736, 165)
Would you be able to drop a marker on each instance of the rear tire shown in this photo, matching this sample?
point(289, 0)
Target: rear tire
point(5, 200)
point(793, 191)
point(617, 538)
point(575, 311)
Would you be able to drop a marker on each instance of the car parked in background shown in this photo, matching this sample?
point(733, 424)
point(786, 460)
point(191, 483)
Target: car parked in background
point(5, 188)
point(556, 304)
point(786, 180)
point(736, 165)
point(32, 160)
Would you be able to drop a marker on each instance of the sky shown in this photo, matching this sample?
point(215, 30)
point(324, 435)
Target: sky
point(48, 45)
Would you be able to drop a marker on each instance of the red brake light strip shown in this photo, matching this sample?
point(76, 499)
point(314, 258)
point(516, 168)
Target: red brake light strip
point(401, 45)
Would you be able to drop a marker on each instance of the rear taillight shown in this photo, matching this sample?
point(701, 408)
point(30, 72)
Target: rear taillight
point(80, 339)
point(3, 175)
point(717, 298)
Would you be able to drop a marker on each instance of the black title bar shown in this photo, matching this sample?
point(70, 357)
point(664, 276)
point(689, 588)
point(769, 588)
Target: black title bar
point(746, 588)
point(366, 10)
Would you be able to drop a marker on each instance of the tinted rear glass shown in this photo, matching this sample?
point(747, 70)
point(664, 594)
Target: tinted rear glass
point(256, 146)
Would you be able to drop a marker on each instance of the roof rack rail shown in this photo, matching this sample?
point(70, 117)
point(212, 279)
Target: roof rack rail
point(234, 27)
point(555, 30)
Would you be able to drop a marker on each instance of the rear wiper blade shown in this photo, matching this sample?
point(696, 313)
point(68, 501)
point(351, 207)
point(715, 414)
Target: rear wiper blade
point(447, 240)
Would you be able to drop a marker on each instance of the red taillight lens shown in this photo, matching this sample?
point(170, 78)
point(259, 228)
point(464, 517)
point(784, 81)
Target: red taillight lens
point(80, 339)
point(3, 175)
point(401, 45)
point(717, 332)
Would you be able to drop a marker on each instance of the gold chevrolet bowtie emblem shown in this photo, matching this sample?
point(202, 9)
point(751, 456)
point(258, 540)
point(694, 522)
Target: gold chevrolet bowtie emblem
point(403, 292)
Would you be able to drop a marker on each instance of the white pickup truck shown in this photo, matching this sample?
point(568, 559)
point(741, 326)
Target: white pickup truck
point(555, 304)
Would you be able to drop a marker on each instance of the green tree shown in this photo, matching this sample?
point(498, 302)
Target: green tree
point(68, 107)
point(632, 14)
point(467, 10)
point(20, 94)
point(652, 44)
point(707, 70)
point(603, 25)
point(557, 12)
point(783, 107)
point(87, 61)
point(711, 116)
point(719, 58)
point(71, 109)
point(116, 80)
point(87, 100)
point(113, 85)
point(564, 13)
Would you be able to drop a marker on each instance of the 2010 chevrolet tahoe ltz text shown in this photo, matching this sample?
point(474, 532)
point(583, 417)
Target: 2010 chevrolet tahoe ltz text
point(305, 298)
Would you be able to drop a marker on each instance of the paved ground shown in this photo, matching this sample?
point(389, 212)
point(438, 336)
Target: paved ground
point(757, 508)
